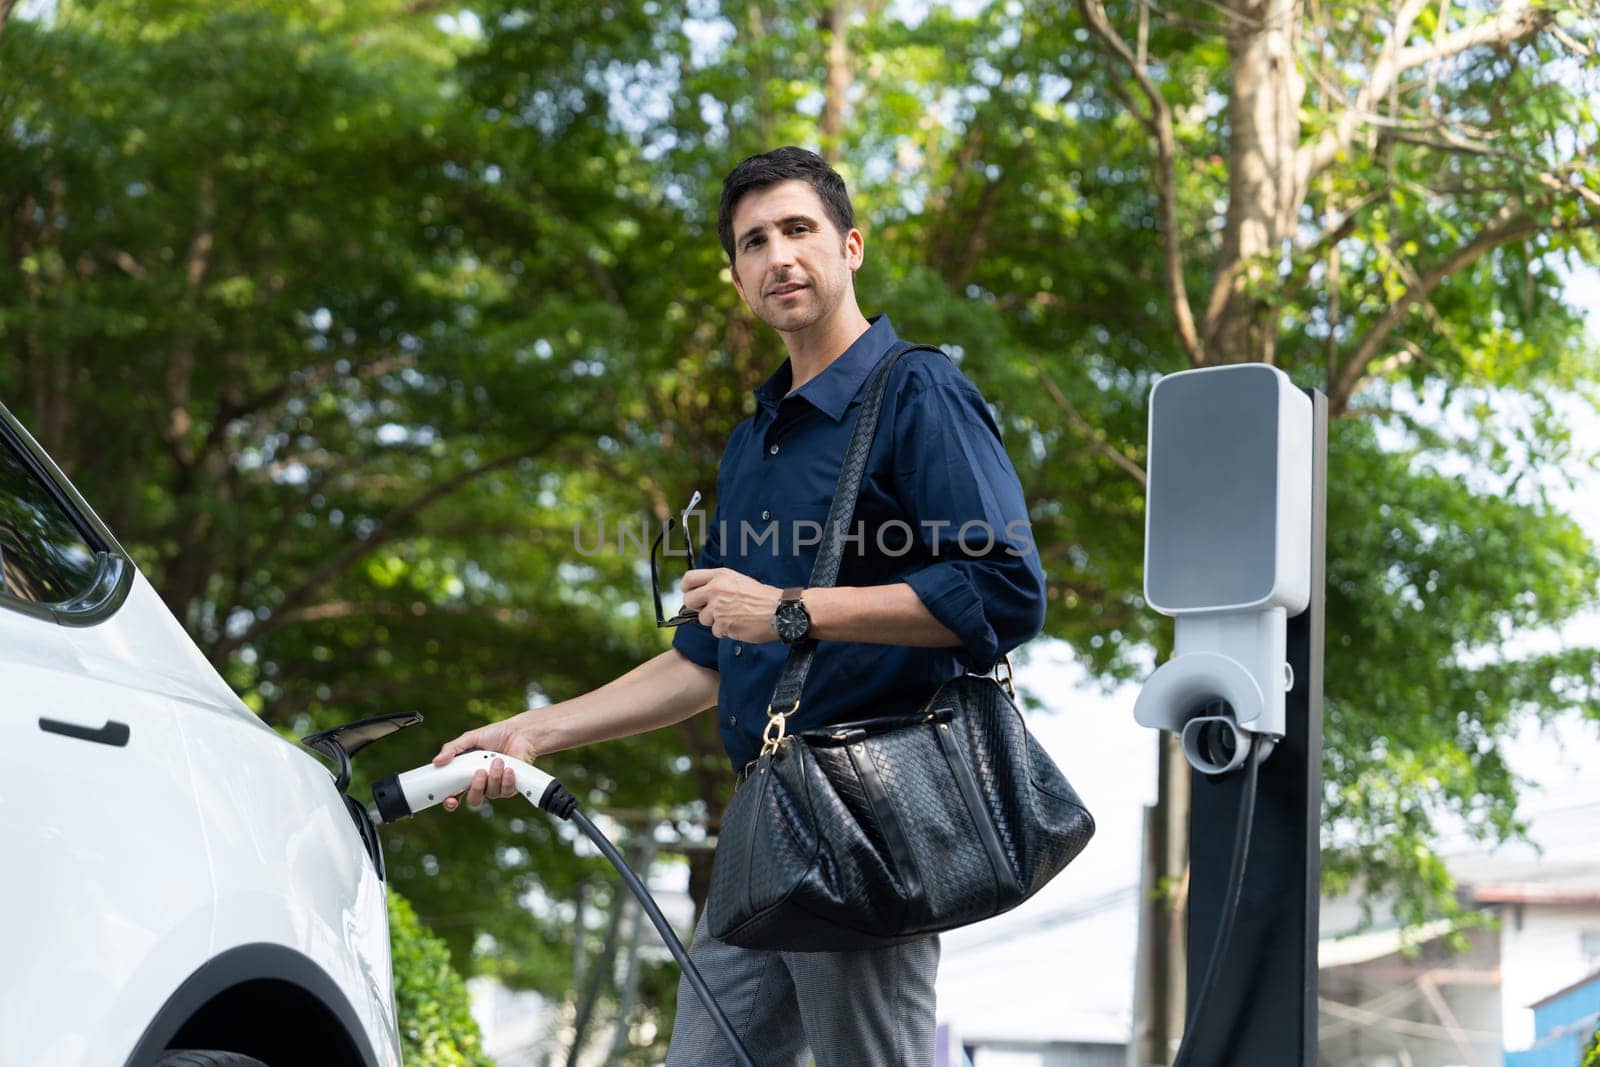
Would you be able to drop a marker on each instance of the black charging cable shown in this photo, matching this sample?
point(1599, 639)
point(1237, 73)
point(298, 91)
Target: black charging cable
point(690, 971)
point(1230, 909)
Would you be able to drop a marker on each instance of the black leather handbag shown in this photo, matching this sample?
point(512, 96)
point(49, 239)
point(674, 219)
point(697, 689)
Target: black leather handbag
point(872, 833)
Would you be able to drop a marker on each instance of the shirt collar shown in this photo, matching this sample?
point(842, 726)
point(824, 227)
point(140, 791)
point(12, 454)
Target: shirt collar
point(831, 391)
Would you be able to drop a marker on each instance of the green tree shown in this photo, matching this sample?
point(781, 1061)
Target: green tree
point(1384, 214)
point(251, 307)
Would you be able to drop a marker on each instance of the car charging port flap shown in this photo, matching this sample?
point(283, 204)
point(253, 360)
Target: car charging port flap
point(340, 744)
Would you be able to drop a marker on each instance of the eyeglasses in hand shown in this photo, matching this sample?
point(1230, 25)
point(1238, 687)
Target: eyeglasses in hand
point(683, 614)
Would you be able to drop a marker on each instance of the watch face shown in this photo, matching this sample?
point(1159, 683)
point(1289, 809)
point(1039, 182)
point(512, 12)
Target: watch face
point(792, 622)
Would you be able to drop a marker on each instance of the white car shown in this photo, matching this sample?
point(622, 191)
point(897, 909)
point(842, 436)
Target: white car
point(173, 874)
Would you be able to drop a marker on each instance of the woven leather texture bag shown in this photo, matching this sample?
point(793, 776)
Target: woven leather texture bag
point(871, 833)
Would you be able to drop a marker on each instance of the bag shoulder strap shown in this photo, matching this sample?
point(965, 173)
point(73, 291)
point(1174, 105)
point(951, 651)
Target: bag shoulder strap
point(786, 695)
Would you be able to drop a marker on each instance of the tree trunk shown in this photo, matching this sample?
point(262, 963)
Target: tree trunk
point(1161, 971)
point(1264, 196)
point(601, 971)
point(835, 25)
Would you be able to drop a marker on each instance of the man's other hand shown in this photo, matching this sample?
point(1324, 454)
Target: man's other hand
point(732, 605)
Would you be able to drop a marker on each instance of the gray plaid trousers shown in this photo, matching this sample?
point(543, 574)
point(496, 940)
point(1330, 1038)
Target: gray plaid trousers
point(867, 1008)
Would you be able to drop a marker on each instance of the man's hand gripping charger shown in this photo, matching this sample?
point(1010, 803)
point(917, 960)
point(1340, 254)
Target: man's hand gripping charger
point(401, 795)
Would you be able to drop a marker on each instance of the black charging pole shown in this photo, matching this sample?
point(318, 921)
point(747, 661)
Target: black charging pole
point(1263, 1009)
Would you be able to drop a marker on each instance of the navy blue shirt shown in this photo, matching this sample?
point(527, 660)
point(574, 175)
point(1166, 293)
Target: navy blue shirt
point(940, 508)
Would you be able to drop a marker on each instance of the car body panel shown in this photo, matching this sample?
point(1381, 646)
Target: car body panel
point(78, 927)
point(132, 867)
point(302, 878)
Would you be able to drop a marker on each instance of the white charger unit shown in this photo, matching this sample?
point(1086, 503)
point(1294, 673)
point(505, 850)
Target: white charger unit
point(1227, 554)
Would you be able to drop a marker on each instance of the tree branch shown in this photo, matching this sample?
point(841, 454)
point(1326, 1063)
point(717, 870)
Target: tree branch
point(1346, 226)
point(383, 531)
point(1507, 228)
point(1319, 154)
point(1448, 140)
point(966, 260)
point(345, 609)
point(1329, 240)
point(942, 256)
point(300, 696)
point(127, 263)
point(1159, 123)
point(1096, 439)
point(229, 409)
point(180, 371)
point(1517, 19)
point(1514, 21)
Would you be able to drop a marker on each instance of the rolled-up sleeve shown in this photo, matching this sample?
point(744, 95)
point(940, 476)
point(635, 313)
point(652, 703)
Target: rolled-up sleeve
point(983, 580)
point(694, 639)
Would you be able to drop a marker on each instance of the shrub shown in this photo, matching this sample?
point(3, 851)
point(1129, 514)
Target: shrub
point(436, 1027)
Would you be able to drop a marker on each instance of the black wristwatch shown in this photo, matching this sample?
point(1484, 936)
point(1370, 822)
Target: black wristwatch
point(791, 620)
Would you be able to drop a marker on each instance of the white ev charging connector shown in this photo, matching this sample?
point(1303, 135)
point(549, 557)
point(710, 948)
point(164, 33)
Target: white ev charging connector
point(1227, 536)
point(401, 795)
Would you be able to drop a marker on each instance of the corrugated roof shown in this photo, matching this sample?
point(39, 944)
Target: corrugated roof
point(1376, 944)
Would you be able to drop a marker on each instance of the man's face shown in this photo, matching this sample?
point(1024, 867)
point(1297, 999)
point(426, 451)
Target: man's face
point(790, 263)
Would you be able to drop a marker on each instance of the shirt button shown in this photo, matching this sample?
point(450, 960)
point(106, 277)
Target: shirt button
point(732, 721)
point(738, 650)
point(773, 451)
point(765, 514)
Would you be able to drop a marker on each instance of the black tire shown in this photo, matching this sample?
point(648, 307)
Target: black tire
point(206, 1057)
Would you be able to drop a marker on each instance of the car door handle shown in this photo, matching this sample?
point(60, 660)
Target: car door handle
point(113, 733)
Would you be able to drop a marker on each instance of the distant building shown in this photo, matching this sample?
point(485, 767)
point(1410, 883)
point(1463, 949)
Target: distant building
point(1388, 1000)
point(1563, 1023)
point(1521, 990)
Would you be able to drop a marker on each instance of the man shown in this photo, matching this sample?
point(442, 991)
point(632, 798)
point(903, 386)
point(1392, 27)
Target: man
point(938, 574)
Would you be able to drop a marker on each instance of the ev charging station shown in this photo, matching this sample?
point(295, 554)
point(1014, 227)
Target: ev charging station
point(1235, 513)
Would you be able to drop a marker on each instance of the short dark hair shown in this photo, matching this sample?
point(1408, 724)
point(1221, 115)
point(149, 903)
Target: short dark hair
point(782, 165)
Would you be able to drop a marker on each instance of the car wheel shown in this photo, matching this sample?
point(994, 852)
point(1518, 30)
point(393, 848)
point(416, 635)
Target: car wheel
point(206, 1057)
